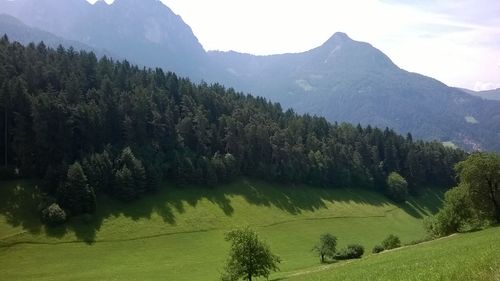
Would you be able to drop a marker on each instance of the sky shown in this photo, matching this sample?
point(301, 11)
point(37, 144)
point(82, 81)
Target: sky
point(454, 41)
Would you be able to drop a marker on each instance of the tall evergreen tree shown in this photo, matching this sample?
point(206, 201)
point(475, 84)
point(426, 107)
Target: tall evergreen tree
point(76, 195)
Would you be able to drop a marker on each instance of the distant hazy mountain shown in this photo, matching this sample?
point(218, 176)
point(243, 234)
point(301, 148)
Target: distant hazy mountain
point(342, 80)
point(18, 31)
point(487, 95)
point(143, 31)
point(346, 80)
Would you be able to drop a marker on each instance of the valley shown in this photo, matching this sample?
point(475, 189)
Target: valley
point(177, 234)
point(129, 151)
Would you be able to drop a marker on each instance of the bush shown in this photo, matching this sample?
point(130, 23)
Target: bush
point(353, 251)
point(53, 215)
point(397, 187)
point(456, 215)
point(377, 249)
point(391, 242)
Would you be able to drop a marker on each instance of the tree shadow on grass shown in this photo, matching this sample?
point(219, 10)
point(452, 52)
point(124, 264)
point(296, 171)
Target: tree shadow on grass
point(18, 203)
point(425, 204)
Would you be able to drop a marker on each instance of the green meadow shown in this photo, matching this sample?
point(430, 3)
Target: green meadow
point(178, 233)
point(470, 256)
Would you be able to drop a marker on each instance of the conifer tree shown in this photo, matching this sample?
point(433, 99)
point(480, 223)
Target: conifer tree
point(76, 195)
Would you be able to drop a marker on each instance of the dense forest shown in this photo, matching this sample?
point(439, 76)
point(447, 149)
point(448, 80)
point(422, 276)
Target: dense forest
point(88, 126)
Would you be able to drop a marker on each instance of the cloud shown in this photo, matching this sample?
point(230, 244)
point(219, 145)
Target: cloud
point(477, 11)
point(485, 86)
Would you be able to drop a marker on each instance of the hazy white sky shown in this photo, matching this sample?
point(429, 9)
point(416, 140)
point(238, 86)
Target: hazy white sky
point(455, 41)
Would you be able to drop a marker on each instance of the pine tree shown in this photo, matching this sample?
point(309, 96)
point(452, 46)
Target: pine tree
point(124, 184)
point(76, 195)
point(130, 176)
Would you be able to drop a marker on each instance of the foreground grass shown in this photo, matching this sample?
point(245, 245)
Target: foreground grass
point(471, 256)
point(177, 234)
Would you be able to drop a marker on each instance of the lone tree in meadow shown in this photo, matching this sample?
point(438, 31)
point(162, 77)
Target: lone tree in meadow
point(481, 173)
point(248, 256)
point(326, 246)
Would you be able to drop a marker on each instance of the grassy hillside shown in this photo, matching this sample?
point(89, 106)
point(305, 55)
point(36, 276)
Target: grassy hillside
point(177, 234)
point(471, 256)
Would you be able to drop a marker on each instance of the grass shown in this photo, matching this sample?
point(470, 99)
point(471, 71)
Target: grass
point(470, 256)
point(177, 234)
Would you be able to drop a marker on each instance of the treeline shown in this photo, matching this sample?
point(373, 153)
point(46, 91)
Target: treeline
point(129, 128)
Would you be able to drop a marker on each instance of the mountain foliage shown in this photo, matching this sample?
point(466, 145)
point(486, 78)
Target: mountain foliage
point(90, 126)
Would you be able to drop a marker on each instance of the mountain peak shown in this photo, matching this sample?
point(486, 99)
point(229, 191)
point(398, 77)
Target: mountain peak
point(338, 37)
point(341, 35)
point(136, 2)
point(101, 2)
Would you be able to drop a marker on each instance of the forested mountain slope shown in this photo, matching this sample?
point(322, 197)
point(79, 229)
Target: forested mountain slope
point(130, 128)
point(20, 32)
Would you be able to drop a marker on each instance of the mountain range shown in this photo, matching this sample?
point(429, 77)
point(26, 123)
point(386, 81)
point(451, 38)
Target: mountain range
point(24, 34)
point(343, 80)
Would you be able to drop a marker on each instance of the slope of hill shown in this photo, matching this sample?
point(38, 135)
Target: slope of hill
point(487, 95)
point(20, 32)
point(343, 80)
point(178, 233)
point(470, 256)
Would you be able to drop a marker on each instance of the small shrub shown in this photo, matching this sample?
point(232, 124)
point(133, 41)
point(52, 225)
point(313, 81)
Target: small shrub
point(53, 215)
point(353, 251)
point(377, 249)
point(391, 242)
